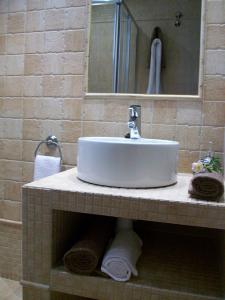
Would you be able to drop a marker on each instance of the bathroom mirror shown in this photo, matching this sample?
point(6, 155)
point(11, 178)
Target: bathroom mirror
point(145, 47)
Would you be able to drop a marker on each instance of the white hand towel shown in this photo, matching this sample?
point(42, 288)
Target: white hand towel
point(119, 261)
point(45, 166)
point(155, 67)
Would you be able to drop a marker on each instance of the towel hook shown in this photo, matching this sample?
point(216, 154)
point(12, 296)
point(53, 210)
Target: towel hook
point(178, 16)
point(52, 143)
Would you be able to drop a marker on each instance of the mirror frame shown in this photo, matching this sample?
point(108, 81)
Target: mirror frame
point(137, 97)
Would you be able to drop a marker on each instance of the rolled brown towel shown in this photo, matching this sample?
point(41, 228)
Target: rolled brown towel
point(84, 256)
point(207, 186)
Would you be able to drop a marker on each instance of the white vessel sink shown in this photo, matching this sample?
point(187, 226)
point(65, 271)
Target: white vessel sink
point(128, 163)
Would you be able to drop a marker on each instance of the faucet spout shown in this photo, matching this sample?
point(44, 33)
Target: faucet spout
point(134, 123)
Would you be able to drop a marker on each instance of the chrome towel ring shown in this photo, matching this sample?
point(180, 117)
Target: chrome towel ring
point(52, 143)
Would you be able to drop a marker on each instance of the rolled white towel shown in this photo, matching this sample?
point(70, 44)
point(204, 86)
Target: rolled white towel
point(119, 261)
point(124, 224)
point(45, 166)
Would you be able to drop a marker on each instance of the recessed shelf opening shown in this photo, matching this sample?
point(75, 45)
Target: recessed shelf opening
point(179, 259)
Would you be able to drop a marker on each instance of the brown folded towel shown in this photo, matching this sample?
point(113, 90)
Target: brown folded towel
point(84, 256)
point(207, 186)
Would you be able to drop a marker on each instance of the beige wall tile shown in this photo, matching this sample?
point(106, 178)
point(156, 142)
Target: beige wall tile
point(31, 108)
point(54, 41)
point(35, 42)
point(31, 130)
point(12, 170)
point(93, 128)
point(214, 113)
point(53, 86)
point(11, 149)
point(33, 86)
point(43, 108)
point(214, 135)
point(167, 132)
point(54, 19)
point(17, 5)
point(64, 3)
point(11, 239)
point(147, 110)
point(15, 43)
point(73, 86)
point(55, 3)
point(51, 108)
point(164, 112)
point(50, 127)
point(71, 131)
point(188, 137)
point(110, 111)
point(10, 210)
point(13, 86)
point(189, 113)
point(214, 88)
point(12, 128)
point(16, 22)
point(35, 4)
point(1, 188)
point(69, 153)
point(215, 37)
point(53, 63)
point(11, 107)
point(215, 62)
point(3, 66)
point(4, 7)
point(3, 22)
point(35, 21)
point(33, 64)
point(15, 64)
point(7, 149)
point(2, 44)
point(73, 63)
point(12, 190)
point(186, 158)
point(146, 130)
point(29, 148)
point(27, 171)
point(215, 11)
point(75, 17)
point(71, 109)
point(96, 111)
point(76, 2)
point(74, 40)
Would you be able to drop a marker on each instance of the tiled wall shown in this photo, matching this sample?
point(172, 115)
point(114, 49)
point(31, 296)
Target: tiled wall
point(42, 67)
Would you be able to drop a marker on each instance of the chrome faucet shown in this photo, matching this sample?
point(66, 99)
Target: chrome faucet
point(134, 123)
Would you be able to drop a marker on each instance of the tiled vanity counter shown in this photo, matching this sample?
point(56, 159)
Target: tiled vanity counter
point(183, 241)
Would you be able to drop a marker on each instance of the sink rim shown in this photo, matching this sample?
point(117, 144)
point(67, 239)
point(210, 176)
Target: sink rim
point(127, 141)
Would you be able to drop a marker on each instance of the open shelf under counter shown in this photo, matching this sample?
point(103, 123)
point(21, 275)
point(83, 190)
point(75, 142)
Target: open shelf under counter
point(173, 266)
point(170, 204)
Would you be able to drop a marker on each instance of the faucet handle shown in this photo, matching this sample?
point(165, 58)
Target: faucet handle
point(133, 113)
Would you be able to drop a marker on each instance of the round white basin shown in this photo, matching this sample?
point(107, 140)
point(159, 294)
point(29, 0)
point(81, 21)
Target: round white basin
point(128, 163)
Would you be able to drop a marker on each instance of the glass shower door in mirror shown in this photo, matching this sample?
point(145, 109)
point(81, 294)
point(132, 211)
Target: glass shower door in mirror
point(112, 49)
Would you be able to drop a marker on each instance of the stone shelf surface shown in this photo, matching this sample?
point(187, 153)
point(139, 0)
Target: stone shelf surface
point(168, 204)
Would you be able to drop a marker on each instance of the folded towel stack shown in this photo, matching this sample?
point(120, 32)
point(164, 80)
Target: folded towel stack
point(207, 186)
point(120, 259)
point(84, 256)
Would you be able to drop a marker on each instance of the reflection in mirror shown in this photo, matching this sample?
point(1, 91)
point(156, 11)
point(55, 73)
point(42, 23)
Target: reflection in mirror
point(144, 46)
